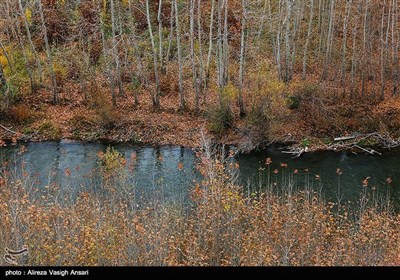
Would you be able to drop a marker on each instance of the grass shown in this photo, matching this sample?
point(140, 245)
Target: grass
point(223, 225)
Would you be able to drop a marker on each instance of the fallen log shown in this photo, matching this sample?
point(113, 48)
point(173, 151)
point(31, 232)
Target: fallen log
point(344, 138)
point(296, 153)
point(370, 151)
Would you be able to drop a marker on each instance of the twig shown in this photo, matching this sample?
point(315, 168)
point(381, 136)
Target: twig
point(7, 129)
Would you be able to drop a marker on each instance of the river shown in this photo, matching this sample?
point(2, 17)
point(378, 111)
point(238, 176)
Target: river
point(171, 170)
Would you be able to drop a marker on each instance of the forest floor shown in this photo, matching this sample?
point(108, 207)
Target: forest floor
point(314, 123)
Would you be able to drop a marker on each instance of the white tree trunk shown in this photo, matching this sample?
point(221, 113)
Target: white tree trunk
point(210, 43)
point(310, 23)
point(155, 96)
point(49, 55)
point(182, 103)
point(242, 59)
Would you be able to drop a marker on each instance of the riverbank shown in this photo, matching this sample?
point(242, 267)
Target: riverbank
point(308, 126)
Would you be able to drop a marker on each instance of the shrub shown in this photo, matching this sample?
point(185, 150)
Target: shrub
point(220, 118)
point(305, 143)
point(21, 113)
point(293, 102)
point(308, 89)
point(50, 130)
point(83, 120)
point(111, 162)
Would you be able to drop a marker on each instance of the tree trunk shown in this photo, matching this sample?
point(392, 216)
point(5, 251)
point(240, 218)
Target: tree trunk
point(171, 30)
point(353, 63)
point(6, 55)
point(182, 103)
point(115, 51)
point(3, 81)
point(222, 57)
point(364, 49)
point(297, 26)
point(395, 42)
point(200, 43)
point(160, 37)
point(384, 47)
point(344, 42)
point(226, 45)
point(24, 56)
point(287, 41)
point(242, 59)
point(106, 62)
point(134, 45)
point(329, 40)
point(49, 56)
point(310, 22)
point(220, 51)
point(210, 44)
point(192, 58)
point(28, 32)
point(155, 96)
point(271, 28)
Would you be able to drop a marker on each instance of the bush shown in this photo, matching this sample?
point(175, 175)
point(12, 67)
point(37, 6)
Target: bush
point(293, 102)
point(111, 162)
point(50, 130)
point(308, 89)
point(21, 113)
point(220, 118)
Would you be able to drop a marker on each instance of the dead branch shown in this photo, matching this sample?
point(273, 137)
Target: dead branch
point(354, 142)
point(296, 151)
point(9, 130)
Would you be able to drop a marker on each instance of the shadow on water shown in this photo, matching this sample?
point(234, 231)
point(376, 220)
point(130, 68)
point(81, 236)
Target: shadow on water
point(170, 171)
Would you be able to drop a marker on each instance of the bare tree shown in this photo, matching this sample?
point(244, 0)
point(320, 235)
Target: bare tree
point(49, 55)
point(210, 43)
point(171, 30)
point(395, 46)
point(200, 43)
point(226, 45)
point(289, 6)
point(160, 37)
point(28, 33)
point(114, 50)
point(155, 96)
point(384, 46)
point(109, 72)
point(3, 81)
point(196, 85)
point(310, 23)
point(242, 58)
point(344, 41)
point(9, 62)
point(365, 57)
point(329, 39)
point(182, 103)
point(133, 43)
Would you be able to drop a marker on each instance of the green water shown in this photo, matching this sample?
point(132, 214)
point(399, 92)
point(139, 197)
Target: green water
point(171, 170)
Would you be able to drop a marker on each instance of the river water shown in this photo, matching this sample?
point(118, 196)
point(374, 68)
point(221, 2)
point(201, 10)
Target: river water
point(171, 170)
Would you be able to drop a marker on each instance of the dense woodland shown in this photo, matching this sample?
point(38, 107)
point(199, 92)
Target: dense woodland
point(265, 68)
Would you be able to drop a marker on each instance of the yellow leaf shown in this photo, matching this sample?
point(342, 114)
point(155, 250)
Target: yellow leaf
point(3, 61)
point(125, 3)
point(28, 15)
